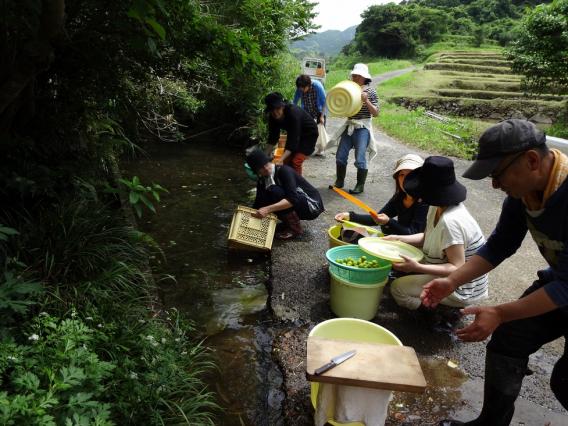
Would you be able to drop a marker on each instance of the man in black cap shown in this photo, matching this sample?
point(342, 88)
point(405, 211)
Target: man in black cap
point(282, 191)
point(301, 129)
point(514, 155)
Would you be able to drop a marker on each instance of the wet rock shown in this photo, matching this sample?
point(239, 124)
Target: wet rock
point(285, 313)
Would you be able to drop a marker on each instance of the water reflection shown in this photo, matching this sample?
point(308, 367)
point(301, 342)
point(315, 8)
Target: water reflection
point(223, 292)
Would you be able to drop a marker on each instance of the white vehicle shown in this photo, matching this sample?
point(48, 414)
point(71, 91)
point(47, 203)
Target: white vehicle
point(558, 143)
point(315, 68)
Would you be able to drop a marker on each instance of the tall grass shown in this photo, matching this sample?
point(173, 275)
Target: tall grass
point(93, 268)
point(414, 128)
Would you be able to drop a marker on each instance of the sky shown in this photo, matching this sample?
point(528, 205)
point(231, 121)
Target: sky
point(342, 14)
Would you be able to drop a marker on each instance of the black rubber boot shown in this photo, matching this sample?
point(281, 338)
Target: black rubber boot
point(340, 179)
point(503, 379)
point(361, 178)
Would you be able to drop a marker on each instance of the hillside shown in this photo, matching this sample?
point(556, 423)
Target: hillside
point(327, 43)
point(476, 84)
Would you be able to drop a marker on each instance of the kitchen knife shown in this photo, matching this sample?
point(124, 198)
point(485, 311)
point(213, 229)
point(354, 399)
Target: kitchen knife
point(335, 361)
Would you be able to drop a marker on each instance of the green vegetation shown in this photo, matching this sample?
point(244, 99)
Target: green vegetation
point(83, 339)
point(455, 84)
point(541, 51)
point(454, 43)
point(404, 30)
point(456, 137)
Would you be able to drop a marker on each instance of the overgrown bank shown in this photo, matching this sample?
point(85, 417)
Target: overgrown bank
point(83, 340)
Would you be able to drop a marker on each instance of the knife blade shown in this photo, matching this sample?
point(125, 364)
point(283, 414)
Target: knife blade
point(356, 201)
point(334, 362)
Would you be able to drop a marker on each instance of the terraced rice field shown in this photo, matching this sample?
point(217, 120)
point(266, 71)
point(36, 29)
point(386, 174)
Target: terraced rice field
point(474, 84)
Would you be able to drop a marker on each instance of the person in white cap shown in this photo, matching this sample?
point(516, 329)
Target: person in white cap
point(410, 213)
point(357, 132)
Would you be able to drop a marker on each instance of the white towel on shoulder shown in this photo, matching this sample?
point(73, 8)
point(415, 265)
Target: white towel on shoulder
point(347, 404)
point(351, 125)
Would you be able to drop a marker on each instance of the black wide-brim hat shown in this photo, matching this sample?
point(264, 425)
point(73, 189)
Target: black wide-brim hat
point(274, 100)
point(435, 183)
point(257, 160)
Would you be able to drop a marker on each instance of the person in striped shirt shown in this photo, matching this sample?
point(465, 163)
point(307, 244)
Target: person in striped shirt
point(357, 132)
point(451, 237)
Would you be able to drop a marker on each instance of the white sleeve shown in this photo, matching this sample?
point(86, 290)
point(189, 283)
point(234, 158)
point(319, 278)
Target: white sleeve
point(452, 234)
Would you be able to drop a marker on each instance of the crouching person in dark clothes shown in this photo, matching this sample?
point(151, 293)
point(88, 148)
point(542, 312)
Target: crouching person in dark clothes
point(280, 190)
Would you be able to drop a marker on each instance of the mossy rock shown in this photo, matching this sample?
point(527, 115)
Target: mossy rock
point(495, 109)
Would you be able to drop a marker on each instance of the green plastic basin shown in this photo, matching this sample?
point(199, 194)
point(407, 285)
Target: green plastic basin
point(352, 274)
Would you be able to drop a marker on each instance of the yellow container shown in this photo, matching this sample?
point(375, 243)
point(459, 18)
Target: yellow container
point(350, 300)
point(334, 233)
point(278, 152)
point(344, 99)
point(355, 330)
point(250, 233)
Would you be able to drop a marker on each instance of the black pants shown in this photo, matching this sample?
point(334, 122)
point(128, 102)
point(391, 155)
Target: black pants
point(521, 338)
point(270, 196)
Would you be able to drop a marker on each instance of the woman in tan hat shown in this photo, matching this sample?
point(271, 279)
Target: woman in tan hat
point(410, 212)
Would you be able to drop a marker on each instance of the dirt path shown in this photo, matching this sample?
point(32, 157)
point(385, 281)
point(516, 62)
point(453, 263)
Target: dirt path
point(300, 295)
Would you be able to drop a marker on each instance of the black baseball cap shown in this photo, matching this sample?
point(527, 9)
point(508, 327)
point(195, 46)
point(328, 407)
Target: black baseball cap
point(500, 140)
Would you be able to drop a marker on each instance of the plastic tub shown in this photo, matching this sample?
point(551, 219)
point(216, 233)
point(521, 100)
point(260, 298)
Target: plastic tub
point(334, 233)
point(351, 329)
point(344, 99)
point(355, 300)
point(356, 275)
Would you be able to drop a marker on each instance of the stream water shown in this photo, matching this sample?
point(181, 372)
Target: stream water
point(223, 293)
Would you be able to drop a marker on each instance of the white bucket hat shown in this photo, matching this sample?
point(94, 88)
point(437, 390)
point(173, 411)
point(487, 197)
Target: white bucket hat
point(408, 162)
point(362, 70)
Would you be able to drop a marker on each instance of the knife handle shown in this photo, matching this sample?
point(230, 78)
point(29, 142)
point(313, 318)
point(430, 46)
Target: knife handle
point(324, 368)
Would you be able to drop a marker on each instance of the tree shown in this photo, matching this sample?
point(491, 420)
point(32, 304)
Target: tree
point(395, 30)
point(478, 36)
point(541, 50)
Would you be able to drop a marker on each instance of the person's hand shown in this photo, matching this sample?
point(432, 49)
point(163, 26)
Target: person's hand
point(364, 96)
point(278, 161)
point(392, 237)
point(261, 213)
point(381, 218)
point(409, 265)
point(487, 319)
point(436, 290)
point(342, 216)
